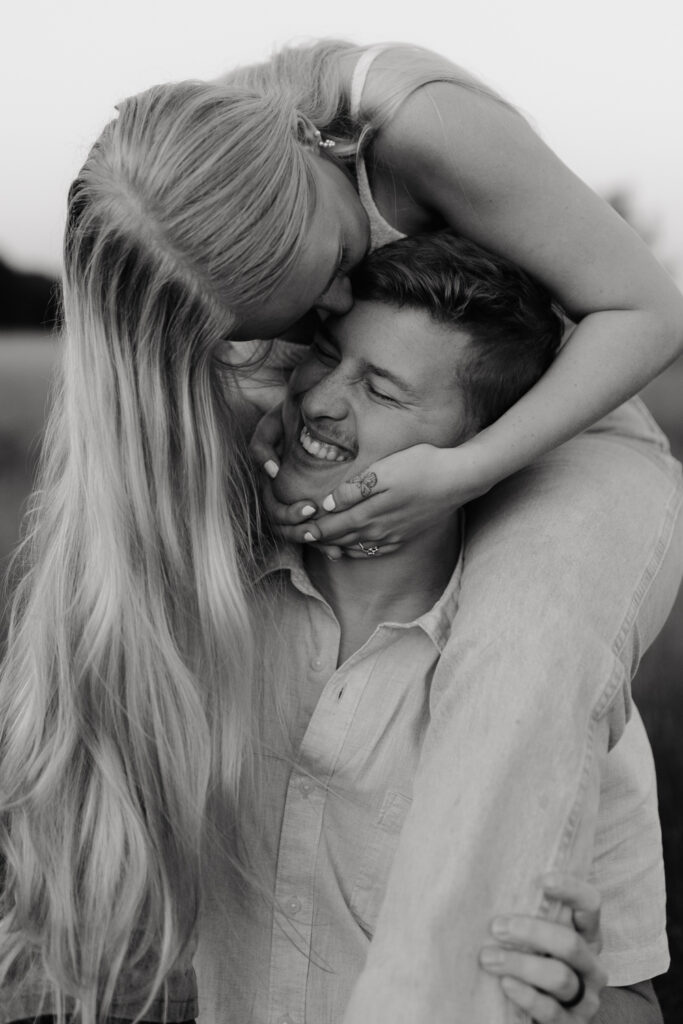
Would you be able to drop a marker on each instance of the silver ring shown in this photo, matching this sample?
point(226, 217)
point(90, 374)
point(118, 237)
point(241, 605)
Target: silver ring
point(372, 549)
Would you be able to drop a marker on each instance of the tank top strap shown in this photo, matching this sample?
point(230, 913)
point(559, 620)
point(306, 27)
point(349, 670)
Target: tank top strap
point(360, 73)
point(381, 232)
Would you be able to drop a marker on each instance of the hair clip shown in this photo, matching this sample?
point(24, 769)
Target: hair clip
point(323, 143)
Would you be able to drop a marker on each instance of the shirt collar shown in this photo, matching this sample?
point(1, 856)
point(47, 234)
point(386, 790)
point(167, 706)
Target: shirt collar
point(288, 559)
point(436, 622)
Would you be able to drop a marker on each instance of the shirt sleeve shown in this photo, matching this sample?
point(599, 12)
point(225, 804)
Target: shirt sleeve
point(504, 791)
point(628, 865)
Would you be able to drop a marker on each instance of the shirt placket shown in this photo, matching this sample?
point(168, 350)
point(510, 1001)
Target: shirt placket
point(298, 848)
point(292, 947)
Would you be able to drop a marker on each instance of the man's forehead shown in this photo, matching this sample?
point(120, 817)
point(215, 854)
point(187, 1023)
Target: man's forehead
point(401, 341)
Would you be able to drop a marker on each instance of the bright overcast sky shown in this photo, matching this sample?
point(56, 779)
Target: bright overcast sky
point(602, 80)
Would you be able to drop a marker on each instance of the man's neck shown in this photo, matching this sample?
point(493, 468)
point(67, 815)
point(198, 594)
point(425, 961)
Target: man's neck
point(397, 587)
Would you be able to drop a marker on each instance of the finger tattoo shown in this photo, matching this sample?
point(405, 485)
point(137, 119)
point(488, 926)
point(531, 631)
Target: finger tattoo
point(366, 483)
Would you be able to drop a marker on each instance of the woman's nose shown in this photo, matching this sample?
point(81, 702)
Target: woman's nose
point(338, 298)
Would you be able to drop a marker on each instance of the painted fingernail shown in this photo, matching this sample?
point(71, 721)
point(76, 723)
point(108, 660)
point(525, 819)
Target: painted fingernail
point(329, 503)
point(500, 926)
point(491, 957)
point(271, 468)
point(308, 510)
point(308, 536)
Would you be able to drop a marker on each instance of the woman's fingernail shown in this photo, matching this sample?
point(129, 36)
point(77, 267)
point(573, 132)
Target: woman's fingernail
point(512, 987)
point(329, 503)
point(492, 957)
point(271, 468)
point(308, 510)
point(500, 926)
point(308, 536)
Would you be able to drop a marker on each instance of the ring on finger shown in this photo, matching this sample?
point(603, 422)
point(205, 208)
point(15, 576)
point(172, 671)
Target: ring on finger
point(371, 549)
point(578, 995)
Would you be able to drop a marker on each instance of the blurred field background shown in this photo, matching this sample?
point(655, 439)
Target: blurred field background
point(27, 361)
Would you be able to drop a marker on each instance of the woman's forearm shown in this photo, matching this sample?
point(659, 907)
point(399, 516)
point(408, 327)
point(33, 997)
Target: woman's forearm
point(603, 363)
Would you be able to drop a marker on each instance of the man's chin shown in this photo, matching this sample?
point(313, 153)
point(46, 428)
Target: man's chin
point(294, 483)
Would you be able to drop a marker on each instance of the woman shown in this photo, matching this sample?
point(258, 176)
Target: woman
point(189, 222)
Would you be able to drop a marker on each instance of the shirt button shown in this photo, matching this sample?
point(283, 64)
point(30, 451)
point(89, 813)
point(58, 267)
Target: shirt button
point(305, 787)
point(316, 664)
point(293, 905)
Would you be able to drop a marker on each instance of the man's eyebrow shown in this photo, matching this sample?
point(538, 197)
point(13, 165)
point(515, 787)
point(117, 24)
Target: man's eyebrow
point(367, 367)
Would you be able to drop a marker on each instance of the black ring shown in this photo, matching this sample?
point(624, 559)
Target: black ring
point(577, 998)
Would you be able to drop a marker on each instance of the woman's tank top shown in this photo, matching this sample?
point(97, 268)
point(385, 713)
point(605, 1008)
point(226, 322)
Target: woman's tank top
point(381, 232)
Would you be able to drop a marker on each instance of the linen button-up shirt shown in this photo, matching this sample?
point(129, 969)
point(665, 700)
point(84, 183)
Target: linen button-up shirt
point(336, 796)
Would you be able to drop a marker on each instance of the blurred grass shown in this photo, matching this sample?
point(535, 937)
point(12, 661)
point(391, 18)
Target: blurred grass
point(26, 366)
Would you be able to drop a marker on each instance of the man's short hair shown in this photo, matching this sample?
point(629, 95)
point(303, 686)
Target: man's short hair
point(515, 329)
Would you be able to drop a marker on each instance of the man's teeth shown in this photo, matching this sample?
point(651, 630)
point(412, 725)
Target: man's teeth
point(320, 449)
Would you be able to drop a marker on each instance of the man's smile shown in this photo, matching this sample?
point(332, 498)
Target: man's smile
point(323, 450)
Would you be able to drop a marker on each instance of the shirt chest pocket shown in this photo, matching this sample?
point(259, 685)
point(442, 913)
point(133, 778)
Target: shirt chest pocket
point(370, 883)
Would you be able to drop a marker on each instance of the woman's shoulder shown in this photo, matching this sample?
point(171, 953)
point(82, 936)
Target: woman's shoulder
point(421, 104)
point(398, 70)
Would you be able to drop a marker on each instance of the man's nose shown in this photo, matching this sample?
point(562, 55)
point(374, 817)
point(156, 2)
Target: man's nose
point(338, 298)
point(326, 399)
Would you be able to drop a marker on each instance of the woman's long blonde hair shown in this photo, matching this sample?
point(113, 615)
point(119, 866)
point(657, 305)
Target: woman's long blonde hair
point(128, 688)
point(129, 682)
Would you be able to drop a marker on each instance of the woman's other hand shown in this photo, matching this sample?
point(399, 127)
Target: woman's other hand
point(550, 969)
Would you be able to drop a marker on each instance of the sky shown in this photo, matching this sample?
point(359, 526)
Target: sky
point(602, 81)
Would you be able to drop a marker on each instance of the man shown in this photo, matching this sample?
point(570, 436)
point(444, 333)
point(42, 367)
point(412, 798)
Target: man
point(356, 823)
